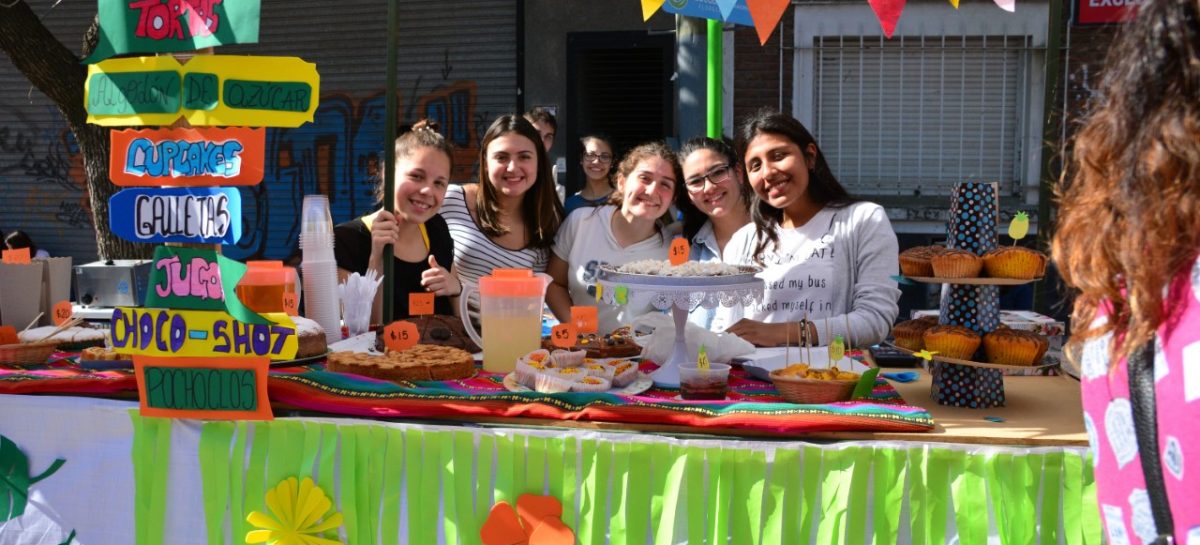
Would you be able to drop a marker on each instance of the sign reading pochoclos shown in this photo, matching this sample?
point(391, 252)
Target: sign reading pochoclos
point(207, 215)
point(208, 388)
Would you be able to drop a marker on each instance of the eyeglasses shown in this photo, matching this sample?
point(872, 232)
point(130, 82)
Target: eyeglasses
point(601, 157)
point(717, 176)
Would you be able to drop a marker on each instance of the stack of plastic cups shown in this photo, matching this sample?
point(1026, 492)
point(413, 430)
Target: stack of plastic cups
point(319, 267)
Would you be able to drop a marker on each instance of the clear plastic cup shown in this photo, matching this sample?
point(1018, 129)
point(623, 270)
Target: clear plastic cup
point(696, 383)
point(315, 216)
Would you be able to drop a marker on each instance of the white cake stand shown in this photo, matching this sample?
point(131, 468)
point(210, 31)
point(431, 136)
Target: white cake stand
point(681, 294)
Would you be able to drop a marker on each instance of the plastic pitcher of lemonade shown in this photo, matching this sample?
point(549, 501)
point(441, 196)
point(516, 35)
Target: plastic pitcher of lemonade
point(510, 313)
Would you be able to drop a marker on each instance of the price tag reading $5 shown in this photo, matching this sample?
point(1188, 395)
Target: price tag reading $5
point(563, 335)
point(678, 254)
point(401, 335)
point(61, 312)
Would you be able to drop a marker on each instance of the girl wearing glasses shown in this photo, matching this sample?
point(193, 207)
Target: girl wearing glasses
point(631, 227)
point(596, 159)
point(715, 201)
point(509, 218)
point(825, 255)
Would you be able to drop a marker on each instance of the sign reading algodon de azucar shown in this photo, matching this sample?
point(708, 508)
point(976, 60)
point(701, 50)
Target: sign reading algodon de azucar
point(207, 156)
point(210, 90)
point(165, 26)
point(200, 333)
point(203, 215)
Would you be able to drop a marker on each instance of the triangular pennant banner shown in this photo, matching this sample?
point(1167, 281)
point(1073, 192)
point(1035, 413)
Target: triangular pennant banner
point(649, 7)
point(954, 3)
point(726, 7)
point(766, 14)
point(888, 12)
point(1007, 5)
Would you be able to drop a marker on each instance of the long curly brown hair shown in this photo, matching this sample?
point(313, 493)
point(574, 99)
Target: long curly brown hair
point(1129, 217)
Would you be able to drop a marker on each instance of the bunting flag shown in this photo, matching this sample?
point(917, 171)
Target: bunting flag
point(649, 7)
point(726, 7)
point(766, 14)
point(1007, 5)
point(888, 12)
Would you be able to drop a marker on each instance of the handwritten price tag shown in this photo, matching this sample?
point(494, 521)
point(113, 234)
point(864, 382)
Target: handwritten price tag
point(678, 254)
point(420, 304)
point(401, 335)
point(291, 304)
point(61, 312)
point(8, 335)
point(20, 256)
point(586, 319)
point(563, 335)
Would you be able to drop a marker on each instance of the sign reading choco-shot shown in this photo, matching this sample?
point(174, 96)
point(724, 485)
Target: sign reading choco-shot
point(204, 215)
point(204, 388)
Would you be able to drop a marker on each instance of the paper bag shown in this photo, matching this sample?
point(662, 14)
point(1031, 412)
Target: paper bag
point(56, 285)
point(20, 293)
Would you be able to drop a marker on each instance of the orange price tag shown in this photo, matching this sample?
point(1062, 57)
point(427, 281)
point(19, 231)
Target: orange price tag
point(563, 335)
point(291, 304)
point(61, 312)
point(585, 319)
point(420, 303)
point(20, 256)
point(401, 335)
point(678, 254)
point(8, 335)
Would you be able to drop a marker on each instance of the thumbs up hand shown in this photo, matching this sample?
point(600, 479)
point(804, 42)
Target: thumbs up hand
point(439, 280)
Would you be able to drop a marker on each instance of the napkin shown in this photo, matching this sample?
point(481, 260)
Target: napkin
point(356, 290)
point(657, 346)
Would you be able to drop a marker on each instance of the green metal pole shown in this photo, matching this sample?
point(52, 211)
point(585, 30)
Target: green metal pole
point(389, 154)
point(714, 79)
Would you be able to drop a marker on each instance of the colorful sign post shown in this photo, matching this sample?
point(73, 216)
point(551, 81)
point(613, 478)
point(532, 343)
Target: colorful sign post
point(1094, 12)
point(197, 279)
point(187, 157)
point(166, 26)
point(201, 333)
point(210, 388)
point(208, 215)
point(220, 90)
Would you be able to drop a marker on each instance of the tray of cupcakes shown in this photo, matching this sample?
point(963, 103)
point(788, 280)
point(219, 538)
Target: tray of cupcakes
point(1004, 348)
point(560, 371)
point(1004, 266)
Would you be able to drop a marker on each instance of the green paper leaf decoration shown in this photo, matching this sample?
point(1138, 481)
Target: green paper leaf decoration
point(15, 480)
point(70, 538)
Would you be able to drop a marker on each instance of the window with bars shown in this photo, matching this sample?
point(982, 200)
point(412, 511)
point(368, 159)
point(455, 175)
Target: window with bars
point(916, 114)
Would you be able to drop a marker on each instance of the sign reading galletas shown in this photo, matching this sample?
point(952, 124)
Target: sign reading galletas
point(210, 90)
point(187, 157)
point(208, 215)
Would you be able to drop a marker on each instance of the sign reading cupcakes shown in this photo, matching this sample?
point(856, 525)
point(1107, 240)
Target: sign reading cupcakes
point(198, 351)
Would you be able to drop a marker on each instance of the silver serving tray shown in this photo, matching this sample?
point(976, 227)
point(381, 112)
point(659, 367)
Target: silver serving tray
point(608, 273)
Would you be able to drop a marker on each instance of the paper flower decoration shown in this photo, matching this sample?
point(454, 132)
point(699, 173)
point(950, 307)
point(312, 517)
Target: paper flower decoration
point(537, 520)
point(295, 518)
point(15, 480)
point(1019, 227)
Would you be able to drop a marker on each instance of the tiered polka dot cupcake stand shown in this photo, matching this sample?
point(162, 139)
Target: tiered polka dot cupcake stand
point(974, 214)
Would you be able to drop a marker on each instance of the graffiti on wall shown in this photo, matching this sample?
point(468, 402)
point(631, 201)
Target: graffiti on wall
point(338, 155)
point(46, 162)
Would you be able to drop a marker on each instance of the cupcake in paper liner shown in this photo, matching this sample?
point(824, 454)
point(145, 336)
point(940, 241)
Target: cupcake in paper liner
point(541, 356)
point(551, 383)
point(591, 384)
point(599, 370)
point(573, 374)
point(568, 358)
point(528, 370)
point(624, 373)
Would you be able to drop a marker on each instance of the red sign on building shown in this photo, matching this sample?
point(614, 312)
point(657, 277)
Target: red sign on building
point(1106, 11)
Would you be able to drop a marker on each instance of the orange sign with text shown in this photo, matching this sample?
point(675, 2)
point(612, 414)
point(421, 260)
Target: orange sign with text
point(61, 313)
point(187, 157)
point(420, 304)
point(678, 254)
point(586, 319)
point(401, 335)
point(563, 335)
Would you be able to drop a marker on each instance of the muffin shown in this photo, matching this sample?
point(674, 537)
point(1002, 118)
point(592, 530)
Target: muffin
point(568, 358)
point(909, 334)
point(916, 261)
point(1014, 262)
point(954, 263)
point(591, 384)
point(624, 373)
point(1014, 347)
point(952, 341)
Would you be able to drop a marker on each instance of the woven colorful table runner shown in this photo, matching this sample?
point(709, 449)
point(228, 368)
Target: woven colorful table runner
point(751, 404)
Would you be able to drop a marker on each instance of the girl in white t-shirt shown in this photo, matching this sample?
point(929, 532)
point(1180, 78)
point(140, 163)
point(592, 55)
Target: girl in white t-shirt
point(631, 227)
point(827, 257)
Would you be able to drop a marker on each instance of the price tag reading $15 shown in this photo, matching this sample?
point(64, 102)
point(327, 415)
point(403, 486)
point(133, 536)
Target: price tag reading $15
point(401, 335)
point(678, 254)
point(291, 304)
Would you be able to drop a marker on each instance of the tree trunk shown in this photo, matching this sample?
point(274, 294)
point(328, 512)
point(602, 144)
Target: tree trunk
point(58, 74)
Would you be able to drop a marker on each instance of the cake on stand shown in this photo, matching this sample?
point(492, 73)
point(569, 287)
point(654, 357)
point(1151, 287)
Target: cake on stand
point(681, 294)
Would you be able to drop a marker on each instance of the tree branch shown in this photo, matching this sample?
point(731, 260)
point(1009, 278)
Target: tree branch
point(45, 61)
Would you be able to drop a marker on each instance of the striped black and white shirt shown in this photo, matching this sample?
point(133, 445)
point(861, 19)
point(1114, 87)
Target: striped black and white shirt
point(475, 255)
